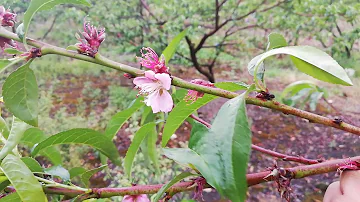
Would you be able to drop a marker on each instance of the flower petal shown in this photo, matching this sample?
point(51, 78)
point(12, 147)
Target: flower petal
point(152, 100)
point(142, 198)
point(165, 80)
point(128, 198)
point(167, 102)
point(142, 80)
point(150, 74)
point(160, 101)
point(2, 10)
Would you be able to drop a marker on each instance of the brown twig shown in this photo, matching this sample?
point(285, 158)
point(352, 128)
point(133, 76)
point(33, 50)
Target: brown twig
point(51, 26)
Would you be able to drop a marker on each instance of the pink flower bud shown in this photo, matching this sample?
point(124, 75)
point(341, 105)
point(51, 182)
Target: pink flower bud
point(92, 39)
point(152, 61)
point(136, 198)
point(5, 41)
point(128, 76)
point(7, 18)
point(193, 95)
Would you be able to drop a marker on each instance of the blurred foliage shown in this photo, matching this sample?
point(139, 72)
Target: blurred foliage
point(301, 93)
point(329, 24)
point(332, 24)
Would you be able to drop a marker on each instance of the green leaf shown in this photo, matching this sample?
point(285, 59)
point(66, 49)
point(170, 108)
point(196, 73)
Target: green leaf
point(314, 100)
point(4, 129)
point(82, 136)
point(309, 60)
point(32, 164)
point(276, 40)
point(197, 131)
point(189, 157)
point(3, 178)
point(173, 45)
point(21, 94)
point(24, 182)
point(148, 146)
point(297, 86)
point(151, 148)
point(20, 31)
point(76, 171)
point(13, 197)
point(147, 116)
point(4, 63)
point(184, 109)
point(226, 147)
point(13, 51)
point(17, 130)
point(4, 184)
point(120, 118)
point(85, 177)
point(33, 136)
point(135, 144)
point(40, 5)
point(178, 94)
point(58, 171)
point(167, 186)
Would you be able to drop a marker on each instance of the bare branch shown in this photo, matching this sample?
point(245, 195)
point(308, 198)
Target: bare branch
point(51, 26)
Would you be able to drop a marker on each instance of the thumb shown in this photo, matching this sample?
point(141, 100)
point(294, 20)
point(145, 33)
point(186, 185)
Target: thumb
point(350, 182)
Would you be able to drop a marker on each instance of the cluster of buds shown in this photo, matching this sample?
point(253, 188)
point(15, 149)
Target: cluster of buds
point(7, 18)
point(32, 53)
point(265, 95)
point(282, 178)
point(151, 60)
point(92, 38)
point(200, 182)
point(193, 95)
point(337, 121)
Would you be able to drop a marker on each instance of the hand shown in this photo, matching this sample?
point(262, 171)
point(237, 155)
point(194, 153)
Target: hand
point(347, 190)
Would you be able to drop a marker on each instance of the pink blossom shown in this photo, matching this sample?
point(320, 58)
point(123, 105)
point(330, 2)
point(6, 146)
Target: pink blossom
point(152, 61)
point(136, 198)
point(6, 17)
point(92, 39)
point(193, 95)
point(155, 89)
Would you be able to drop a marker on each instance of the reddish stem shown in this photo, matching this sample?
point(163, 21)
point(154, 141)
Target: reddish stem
point(284, 157)
point(202, 121)
point(252, 179)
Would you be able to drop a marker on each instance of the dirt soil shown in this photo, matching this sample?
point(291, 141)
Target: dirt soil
point(271, 129)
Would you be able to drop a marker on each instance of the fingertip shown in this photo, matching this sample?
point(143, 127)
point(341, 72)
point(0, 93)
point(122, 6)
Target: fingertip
point(350, 182)
point(333, 191)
